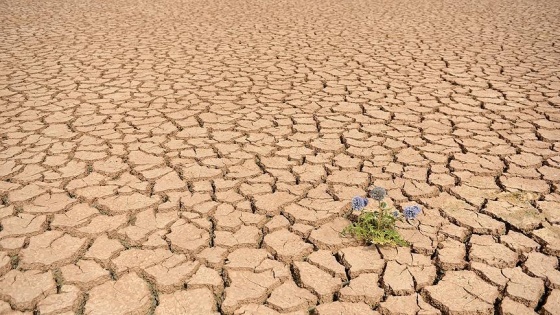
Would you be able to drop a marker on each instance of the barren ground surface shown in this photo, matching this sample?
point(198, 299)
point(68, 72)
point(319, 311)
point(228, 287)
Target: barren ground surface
point(199, 157)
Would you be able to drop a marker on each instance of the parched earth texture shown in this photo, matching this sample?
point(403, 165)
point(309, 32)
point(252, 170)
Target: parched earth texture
point(199, 157)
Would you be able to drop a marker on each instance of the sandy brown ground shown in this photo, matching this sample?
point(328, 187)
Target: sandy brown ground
point(199, 157)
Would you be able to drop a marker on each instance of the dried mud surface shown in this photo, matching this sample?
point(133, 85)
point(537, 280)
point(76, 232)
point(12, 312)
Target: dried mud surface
point(198, 157)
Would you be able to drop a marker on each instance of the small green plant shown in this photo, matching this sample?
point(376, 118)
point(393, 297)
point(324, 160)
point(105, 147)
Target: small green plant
point(378, 226)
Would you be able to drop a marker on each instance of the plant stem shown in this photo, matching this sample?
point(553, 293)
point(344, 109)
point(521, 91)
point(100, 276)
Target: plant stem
point(379, 215)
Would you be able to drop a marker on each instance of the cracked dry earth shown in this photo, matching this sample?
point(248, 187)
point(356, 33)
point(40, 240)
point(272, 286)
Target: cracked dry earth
point(198, 157)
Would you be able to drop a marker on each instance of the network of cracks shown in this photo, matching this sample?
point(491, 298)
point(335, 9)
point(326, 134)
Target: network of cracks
point(199, 157)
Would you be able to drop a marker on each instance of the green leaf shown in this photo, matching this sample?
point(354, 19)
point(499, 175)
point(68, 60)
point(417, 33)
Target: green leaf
point(375, 228)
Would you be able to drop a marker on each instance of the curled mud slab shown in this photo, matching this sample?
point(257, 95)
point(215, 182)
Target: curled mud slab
point(199, 157)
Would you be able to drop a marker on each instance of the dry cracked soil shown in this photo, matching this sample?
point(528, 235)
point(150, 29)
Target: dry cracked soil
point(199, 157)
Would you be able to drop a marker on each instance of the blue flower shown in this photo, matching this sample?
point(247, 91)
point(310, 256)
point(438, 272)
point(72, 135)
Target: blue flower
point(358, 203)
point(395, 214)
point(411, 212)
point(378, 193)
